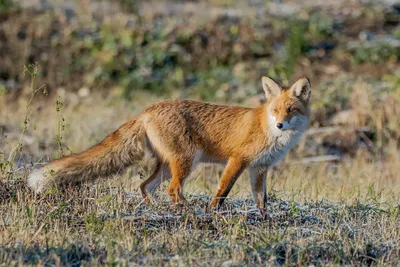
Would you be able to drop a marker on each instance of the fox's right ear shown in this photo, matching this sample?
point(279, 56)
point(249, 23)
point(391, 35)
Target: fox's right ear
point(271, 87)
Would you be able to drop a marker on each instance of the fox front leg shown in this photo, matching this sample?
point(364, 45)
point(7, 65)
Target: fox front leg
point(232, 171)
point(258, 180)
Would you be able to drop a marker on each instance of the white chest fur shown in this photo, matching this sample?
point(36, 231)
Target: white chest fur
point(277, 149)
point(280, 142)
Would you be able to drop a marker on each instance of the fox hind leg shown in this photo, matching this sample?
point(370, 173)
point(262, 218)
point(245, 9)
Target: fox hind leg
point(154, 181)
point(148, 181)
point(180, 170)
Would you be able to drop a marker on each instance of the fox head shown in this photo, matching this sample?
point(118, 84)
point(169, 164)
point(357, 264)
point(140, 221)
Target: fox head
point(287, 107)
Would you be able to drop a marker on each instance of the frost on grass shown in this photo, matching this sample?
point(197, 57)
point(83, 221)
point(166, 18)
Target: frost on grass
point(107, 225)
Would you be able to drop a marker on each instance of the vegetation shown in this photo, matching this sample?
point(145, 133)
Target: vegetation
point(72, 71)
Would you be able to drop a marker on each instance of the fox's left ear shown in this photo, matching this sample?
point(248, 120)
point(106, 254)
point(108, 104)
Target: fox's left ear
point(302, 89)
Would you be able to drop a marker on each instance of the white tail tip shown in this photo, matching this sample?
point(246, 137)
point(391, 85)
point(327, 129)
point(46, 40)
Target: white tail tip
point(37, 179)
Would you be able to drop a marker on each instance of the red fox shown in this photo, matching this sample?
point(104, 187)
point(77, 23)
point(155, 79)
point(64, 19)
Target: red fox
point(178, 134)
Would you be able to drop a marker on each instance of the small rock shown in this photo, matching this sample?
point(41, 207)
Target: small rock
point(83, 92)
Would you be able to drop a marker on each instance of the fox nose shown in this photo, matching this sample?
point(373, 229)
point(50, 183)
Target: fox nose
point(279, 125)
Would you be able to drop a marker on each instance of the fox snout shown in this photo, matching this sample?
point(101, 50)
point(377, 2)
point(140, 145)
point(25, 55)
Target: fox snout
point(285, 125)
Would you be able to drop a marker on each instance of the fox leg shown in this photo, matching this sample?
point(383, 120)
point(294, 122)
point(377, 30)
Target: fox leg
point(148, 181)
point(162, 175)
point(180, 170)
point(258, 180)
point(232, 171)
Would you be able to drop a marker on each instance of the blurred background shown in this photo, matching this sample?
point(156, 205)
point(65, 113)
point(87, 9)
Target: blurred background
point(72, 71)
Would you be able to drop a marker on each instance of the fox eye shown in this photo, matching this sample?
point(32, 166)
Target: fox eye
point(275, 110)
point(291, 109)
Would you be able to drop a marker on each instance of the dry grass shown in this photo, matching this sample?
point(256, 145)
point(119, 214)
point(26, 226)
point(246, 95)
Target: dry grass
point(337, 212)
point(105, 224)
point(341, 212)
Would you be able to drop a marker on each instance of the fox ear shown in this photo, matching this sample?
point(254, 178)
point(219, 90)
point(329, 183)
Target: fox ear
point(271, 88)
point(302, 89)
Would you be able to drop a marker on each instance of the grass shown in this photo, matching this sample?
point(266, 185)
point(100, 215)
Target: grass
point(336, 212)
point(106, 224)
point(343, 212)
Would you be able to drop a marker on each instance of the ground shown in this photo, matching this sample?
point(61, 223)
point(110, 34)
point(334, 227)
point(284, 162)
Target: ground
point(107, 225)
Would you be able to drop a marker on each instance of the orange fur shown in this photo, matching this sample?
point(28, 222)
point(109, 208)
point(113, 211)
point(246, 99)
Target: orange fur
point(178, 134)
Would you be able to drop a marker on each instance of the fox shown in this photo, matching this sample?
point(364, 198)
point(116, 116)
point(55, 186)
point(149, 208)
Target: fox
point(174, 136)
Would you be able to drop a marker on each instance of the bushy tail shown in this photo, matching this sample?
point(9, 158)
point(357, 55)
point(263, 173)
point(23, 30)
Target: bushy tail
point(118, 150)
